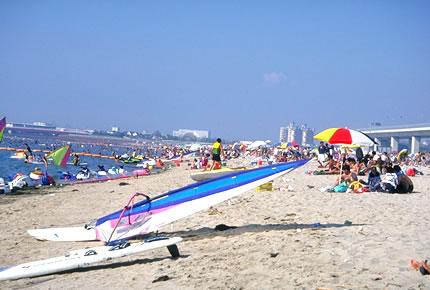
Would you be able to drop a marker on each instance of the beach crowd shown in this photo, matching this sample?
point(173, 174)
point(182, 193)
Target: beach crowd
point(352, 169)
point(385, 172)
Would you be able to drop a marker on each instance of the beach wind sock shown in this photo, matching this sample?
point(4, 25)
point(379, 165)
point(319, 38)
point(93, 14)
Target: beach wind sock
point(2, 127)
point(61, 155)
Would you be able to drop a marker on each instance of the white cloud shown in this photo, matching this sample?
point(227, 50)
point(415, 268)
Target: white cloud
point(274, 77)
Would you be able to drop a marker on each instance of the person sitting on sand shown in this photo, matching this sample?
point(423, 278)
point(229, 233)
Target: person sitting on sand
point(347, 176)
point(353, 165)
point(195, 164)
point(389, 180)
point(204, 161)
point(374, 178)
point(405, 184)
point(331, 166)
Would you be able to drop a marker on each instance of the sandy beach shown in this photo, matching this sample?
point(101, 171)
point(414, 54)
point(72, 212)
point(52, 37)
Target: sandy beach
point(278, 243)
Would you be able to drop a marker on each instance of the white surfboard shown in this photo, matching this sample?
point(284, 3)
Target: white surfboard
point(84, 258)
point(72, 234)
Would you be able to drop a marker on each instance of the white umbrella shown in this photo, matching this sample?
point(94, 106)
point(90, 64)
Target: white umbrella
point(256, 144)
point(195, 147)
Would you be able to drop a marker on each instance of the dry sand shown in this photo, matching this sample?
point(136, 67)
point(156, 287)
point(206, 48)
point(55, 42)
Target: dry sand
point(275, 244)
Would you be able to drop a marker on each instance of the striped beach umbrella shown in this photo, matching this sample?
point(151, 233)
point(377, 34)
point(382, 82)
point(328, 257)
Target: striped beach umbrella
point(343, 136)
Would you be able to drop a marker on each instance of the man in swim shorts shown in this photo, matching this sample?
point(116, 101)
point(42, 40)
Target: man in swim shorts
point(217, 151)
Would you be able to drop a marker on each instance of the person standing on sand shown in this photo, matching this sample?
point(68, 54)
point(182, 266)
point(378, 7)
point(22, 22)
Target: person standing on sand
point(322, 150)
point(217, 151)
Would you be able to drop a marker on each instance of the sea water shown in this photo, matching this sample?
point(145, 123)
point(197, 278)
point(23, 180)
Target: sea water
point(11, 166)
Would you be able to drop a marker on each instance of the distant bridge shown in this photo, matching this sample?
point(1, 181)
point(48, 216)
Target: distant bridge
point(388, 137)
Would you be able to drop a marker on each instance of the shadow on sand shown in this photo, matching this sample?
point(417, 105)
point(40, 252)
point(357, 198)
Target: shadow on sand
point(224, 230)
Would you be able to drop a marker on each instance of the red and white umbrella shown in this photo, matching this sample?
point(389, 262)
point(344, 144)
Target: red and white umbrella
point(344, 136)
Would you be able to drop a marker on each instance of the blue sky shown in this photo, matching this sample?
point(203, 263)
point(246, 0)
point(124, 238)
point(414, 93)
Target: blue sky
point(241, 69)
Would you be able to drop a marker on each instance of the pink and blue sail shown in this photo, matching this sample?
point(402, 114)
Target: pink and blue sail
point(149, 215)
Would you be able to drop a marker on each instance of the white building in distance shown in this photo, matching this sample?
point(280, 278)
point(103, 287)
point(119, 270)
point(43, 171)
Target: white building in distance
point(283, 134)
point(294, 133)
point(190, 134)
point(307, 136)
point(302, 134)
point(115, 129)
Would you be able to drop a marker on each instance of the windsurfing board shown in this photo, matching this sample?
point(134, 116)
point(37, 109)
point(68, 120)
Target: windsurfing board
point(86, 257)
point(72, 234)
point(174, 213)
point(208, 174)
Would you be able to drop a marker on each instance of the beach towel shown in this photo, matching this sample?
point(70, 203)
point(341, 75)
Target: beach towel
point(342, 187)
point(323, 172)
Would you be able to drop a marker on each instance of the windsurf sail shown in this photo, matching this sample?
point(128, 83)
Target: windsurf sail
point(149, 215)
point(2, 127)
point(61, 155)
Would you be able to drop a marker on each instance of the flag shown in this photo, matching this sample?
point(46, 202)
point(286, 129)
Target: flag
point(2, 127)
point(61, 155)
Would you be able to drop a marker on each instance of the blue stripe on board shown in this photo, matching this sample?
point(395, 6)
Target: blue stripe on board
point(204, 188)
